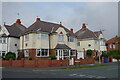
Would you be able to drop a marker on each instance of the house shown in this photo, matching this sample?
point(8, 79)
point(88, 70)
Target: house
point(87, 39)
point(10, 36)
point(43, 39)
point(113, 43)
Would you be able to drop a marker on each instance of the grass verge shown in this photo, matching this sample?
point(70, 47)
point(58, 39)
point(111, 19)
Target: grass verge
point(89, 66)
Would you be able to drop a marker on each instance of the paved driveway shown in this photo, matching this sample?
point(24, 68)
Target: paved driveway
point(57, 72)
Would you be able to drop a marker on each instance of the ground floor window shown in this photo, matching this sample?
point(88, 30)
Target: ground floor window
point(2, 53)
point(73, 52)
point(42, 52)
point(26, 53)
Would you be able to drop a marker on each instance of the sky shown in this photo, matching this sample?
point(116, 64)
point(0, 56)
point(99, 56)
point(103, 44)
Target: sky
point(97, 15)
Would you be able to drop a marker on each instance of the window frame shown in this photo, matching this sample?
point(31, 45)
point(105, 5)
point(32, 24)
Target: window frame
point(61, 38)
point(26, 37)
point(71, 39)
point(26, 55)
point(42, 51)
point(71, 54)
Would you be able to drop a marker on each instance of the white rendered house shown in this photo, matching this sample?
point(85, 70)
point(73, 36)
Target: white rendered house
point(9, 37)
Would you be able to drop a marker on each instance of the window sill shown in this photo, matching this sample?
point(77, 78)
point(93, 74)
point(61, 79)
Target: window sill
point(41, 56)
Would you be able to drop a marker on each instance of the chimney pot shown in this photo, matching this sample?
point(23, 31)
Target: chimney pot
point(18, 21)
point(71, 29)
point(37, 19)
point(84, 26)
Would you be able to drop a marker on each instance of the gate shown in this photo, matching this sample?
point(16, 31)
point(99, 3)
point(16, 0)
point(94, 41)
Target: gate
point(71, 61)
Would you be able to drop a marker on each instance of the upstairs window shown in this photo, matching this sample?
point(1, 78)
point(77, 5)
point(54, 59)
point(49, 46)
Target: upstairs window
point(43, 36)
point(27, 37)
point(70, 39)
point(61, 38)
point(78, 43)
point(3, 40)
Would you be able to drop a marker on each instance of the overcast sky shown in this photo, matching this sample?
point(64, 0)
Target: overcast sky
point(98, 15)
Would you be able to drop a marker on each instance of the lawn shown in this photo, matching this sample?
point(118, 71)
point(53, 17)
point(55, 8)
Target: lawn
point(88, 66)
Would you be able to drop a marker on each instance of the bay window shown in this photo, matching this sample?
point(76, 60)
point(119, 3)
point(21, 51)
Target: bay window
point(42, 52)
point(43, 36)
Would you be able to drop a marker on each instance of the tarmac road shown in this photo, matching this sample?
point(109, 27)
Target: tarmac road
point(57, 72)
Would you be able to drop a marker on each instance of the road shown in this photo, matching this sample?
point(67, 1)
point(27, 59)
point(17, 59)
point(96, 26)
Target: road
point(57, 72)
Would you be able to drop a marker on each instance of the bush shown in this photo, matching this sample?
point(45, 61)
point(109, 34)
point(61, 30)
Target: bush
point(89, 53)
point(10, 55)
point(52, 57)
point(105, 54)
point(30, 58)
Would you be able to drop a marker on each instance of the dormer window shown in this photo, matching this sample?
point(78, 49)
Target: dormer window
point(60, 37)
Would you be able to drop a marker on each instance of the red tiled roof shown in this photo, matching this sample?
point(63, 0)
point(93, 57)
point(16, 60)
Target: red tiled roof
point(113, 40)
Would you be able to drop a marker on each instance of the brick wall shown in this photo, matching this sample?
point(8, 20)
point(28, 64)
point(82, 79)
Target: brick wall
point(84, 61)
point(34, 63)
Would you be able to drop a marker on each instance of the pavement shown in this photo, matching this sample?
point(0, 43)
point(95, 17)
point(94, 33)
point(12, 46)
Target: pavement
point(57, 72)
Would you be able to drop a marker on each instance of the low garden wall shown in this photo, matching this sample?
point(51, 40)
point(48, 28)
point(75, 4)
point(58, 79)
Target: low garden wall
point(34, 63)
point(84, 61)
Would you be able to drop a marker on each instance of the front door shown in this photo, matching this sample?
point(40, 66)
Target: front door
point(62, 54)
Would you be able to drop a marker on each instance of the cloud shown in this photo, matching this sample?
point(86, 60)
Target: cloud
point(98, 15)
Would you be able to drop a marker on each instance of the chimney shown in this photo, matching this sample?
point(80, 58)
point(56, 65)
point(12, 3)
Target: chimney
point(71, 29)
point(37, 19)
point(83, 26)
point(18, 21)
point(61, 24)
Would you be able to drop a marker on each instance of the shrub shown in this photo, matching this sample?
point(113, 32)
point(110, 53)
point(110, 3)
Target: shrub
point(10, 55)
point(105, 54)
point(52, 57)
point(89, 53)
point(30, 58)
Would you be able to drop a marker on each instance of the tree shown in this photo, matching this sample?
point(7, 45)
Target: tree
point(10, 55)
point(105, 54)
point(115, 54)
point(89, 53)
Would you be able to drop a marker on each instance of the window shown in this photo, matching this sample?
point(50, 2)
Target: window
point(42, 52)
point(43, 36)
point(2, 53)
point(111, 46)
point(0, 40)
point(78, 43)
point(61, 38)
point(73, 52)
point(27, 37)
point(26, 53)
point(3, 40)
point(70, 39)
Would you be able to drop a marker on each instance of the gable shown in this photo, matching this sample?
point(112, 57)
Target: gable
point(3, 31)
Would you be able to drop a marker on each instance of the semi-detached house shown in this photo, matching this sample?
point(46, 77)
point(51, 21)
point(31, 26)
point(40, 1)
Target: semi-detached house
point(10, 37)
point(43, 39)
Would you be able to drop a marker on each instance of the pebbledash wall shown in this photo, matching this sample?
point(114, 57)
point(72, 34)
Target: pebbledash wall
point(43, 63)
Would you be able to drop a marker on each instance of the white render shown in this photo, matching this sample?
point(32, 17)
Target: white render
point(9, 46)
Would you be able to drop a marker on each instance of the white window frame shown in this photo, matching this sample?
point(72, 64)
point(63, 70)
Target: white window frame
point(60, 37)
point(78, 43)
point(26, 53)
point(71, 39)
point(74, 53)
point(42, 36)
point(40, 50)
point(111, 45)
point(3, 40)
point(26, 37)
point(1, 53)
